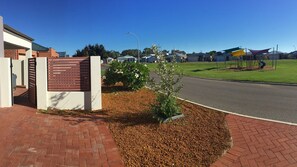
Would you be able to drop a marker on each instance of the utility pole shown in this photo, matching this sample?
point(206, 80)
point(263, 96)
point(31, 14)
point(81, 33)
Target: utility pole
point(137, 39)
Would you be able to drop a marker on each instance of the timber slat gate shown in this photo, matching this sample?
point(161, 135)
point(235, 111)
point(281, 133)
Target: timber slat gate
point(32, 81)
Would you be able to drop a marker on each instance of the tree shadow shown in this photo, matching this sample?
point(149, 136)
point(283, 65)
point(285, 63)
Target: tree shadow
point(204, 69)
point(113, 89)
point(75, 117)
point(125, 119)
point(133, 119)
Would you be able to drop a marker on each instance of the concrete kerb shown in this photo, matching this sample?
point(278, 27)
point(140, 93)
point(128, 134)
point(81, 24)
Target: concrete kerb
point(245, 81)
point(242, 115)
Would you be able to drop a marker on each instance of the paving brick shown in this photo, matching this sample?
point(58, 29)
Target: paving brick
point(260, 143)
point(31, 139)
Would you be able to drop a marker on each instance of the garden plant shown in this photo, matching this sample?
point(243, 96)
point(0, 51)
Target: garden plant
point(167, 87)
point(133, 75)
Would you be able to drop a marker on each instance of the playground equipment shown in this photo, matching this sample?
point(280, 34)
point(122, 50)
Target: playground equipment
point(240, 59)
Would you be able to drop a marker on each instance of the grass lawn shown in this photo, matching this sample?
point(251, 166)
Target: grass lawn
point(286, 71)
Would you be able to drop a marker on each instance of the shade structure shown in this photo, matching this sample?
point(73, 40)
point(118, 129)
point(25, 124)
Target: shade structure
point(231, 50)
point(257, 52)
point(238, 53)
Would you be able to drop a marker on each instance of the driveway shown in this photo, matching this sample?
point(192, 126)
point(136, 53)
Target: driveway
point(31, 139)
point(258, 100)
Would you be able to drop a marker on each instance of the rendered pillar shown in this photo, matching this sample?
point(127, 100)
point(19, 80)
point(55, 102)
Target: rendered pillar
point(5, 74)
point(96, 99)
point(41, 83)
point(5, 83)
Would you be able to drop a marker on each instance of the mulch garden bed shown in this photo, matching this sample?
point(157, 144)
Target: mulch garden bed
point(198, 139)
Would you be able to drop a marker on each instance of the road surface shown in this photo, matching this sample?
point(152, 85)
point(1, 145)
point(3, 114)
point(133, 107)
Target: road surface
point(274, 102)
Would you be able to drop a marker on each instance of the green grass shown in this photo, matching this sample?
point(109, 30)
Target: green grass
point(102, 72)
point(286, 71)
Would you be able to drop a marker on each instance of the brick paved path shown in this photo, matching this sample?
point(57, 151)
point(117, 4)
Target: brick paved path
point(260, 143)
point(30, 139)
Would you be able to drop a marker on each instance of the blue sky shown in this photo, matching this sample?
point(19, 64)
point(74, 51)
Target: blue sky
point(190, 25)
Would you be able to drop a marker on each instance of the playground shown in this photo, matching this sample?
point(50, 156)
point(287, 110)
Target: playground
point(241, 60)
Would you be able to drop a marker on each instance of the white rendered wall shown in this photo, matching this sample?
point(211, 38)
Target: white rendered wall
point(69, 100)
point(5, 83)
point(5, 74)
point(96, 95)
point(18, 71)
point(41, 82)
point(16, 40)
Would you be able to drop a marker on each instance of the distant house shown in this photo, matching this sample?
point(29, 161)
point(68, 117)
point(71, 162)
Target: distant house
point(127, 58)
point(109, 60)
point(41, 51)
point(194, 57)
point(149, 59)
point(179, 57)
point(293, 55)
point(62, 54)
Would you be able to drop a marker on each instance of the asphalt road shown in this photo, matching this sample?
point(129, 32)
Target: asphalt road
point(274, 102)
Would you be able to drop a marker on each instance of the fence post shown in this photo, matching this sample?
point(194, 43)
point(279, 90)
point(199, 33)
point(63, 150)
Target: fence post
point(5, 83)
point(41, 83)
point(95, 70)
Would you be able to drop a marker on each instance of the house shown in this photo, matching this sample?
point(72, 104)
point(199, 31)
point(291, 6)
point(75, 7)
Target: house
point(41, 51)
point(12, 39)
point(127, 58)
point(109, 60)
point(293, 55)
point(62, 54)
point(194, 57)
point(149, 59)
point(37, 51)
point(179, 57)
point(15, 52)
point(43, 76)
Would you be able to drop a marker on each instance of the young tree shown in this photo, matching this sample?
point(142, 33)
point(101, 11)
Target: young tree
point(167, 87)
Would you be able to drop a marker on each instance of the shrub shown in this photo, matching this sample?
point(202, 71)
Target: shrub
point(132, 75)
point(165, 107)
point(166, 88)
point(114, 73)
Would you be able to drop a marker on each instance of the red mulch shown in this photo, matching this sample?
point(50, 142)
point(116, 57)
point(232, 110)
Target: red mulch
point(198, 139)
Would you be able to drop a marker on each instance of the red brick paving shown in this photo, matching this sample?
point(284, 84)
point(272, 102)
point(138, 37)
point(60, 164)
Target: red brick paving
point(31, 139)
point(259, 143)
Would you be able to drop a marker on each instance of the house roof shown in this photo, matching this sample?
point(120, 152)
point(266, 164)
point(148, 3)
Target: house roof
point(127, 57)
point(38, 47)
point(196, 54)
point(8, 28)
point(62, 54)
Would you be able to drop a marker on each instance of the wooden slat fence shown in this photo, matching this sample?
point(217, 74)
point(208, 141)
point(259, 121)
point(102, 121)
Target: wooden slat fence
point(32, 80)
point(69, 74)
